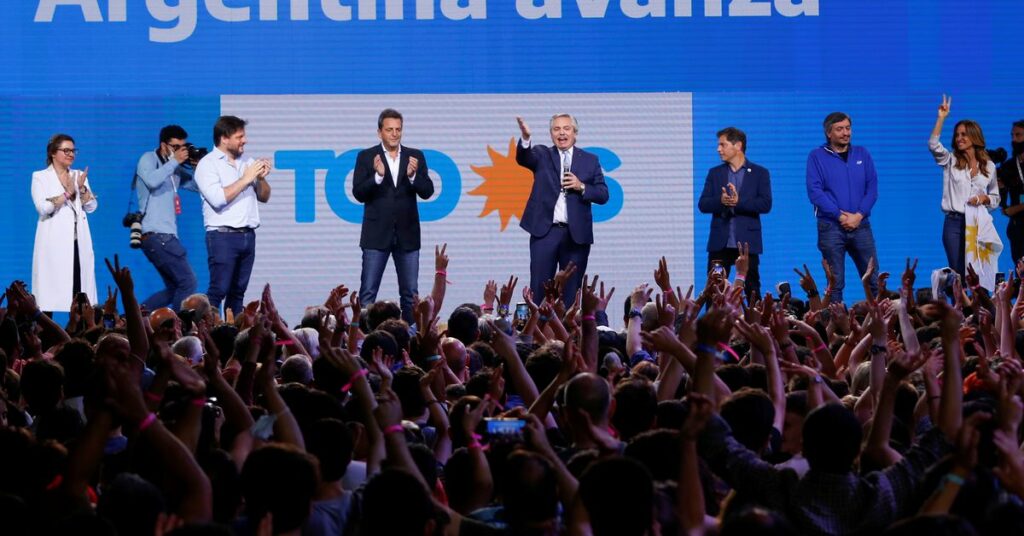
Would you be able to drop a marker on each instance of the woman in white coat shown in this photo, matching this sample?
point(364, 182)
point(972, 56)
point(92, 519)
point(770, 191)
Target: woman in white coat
point(62, 261)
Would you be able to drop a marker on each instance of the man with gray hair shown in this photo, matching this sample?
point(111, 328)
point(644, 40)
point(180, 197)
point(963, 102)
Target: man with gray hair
point(190, 348)
point(566, 181)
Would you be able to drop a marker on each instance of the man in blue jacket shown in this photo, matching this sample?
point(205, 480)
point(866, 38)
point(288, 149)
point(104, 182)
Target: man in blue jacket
point(736, 193)
point(843, 186)
point(566, 181)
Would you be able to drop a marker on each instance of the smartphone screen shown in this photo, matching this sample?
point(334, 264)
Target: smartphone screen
point(522, 311)
point(505, 428)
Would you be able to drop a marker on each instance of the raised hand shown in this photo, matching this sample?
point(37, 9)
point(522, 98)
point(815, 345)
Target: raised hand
point(110, 306)
point(122, 276)
point(662, 277)
point(700, 412)
point(640, 296)
point(490, 293)
point(378, 165)
point(505, 296)
point(524, 129)
point(865, 280)
point(972, 278)
point(908, 277)
point(742, 264)
point(440, 258)
point(944, 106)
point(564, 274)
point(806, 280)
point(666, 313)
point(715, 326)
point(589, 300)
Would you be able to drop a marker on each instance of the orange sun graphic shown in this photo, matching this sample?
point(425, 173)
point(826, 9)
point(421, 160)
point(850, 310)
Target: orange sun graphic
point(506, 185)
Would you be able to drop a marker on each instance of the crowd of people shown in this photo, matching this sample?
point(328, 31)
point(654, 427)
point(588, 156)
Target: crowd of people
point(700, 413)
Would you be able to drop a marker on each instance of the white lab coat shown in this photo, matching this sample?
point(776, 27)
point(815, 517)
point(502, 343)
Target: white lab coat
point(54, 255)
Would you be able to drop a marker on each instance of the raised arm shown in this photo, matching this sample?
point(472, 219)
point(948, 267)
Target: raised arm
point(942, 156)
point(137, 336)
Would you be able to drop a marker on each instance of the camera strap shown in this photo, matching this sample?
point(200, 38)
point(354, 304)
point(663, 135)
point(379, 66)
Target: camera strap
point(133, 195)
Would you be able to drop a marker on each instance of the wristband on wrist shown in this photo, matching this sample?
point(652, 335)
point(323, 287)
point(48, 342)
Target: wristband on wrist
point(199, 401)
point(485, 307)
point(147, 421)
point(740, 279)
point(541, 319)
point(284, 342)
point(152, 397)
point(728, 349)
point(706, 348)
point(820, 348)
point(394, 428)
point(352, 381)
point(589, 317)
point(954, 479)
point(474, 442)
point(667, 291)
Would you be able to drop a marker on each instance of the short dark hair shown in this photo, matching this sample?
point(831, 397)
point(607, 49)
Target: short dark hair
point(832, 437)
point(1018, 124)
point(330, 442)
point(635, 406)
point(226, 126)
point(380, 311)
point(388, 113)
point(750, 414)
point(172, 132)
point(54, 143)
point(733, 135)
point(280, 479)
point(463, 325)
point(626, 513)
point(833, 118)
point(398, 329)
point(379, 339)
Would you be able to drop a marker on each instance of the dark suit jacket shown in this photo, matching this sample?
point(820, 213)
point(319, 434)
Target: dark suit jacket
point(389, 209)
point(546, 165)
point(755, 199)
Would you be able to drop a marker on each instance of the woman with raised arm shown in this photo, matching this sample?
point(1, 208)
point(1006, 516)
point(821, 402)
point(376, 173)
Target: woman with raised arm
point(968, 179)
point(62, 261)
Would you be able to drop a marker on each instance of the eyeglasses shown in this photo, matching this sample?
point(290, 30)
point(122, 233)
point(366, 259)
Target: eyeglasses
point(68, 151)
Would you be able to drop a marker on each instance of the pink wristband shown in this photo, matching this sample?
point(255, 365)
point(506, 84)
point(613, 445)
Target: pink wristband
point(820, 348)
point(394, 428)
point(152, 397)
point(147, 422)
point(352, 381)
point(589, 317)
point(284, 342)
point(727, 348)
point(199, 401)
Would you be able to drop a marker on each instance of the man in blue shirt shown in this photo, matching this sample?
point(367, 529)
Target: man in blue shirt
point(232, 186)
point(159, 176)
point(843, 186)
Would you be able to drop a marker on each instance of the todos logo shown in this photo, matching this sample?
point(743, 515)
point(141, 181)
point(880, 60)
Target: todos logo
point(506, 185)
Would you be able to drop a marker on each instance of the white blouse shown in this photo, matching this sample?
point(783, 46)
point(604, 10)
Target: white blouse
point(957, 184)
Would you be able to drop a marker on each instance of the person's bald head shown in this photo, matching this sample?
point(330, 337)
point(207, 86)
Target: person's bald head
point(588, 393)
point(454, 354)
point(165, 320)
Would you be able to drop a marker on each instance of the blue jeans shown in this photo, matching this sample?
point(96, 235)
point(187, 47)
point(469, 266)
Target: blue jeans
point(834, 242)
point(954, 241)
point(171, 261)
point(230, 256)
point(407, 265)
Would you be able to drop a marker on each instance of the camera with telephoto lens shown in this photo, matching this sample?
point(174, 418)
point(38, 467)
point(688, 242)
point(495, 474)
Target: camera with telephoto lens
point(133, 221)
point(195, 154)
point(997, 155)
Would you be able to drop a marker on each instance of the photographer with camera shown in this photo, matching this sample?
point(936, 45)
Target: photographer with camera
point(159, 176)
point(1011, 189)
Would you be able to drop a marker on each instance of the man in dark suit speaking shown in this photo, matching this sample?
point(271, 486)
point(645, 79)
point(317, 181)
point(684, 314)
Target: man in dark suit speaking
point(387, 179)
point(736, 193)
point(566, 180)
